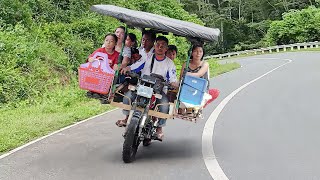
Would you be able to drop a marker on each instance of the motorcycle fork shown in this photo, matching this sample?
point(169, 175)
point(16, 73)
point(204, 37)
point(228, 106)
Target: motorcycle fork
point(144, 121)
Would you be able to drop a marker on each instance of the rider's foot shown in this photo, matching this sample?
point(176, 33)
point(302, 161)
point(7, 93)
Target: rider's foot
point(146, 142)
point(160, 134)
point(122, 123)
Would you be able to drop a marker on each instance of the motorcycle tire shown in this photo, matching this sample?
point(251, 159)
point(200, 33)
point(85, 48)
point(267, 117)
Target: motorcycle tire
point(131, 141)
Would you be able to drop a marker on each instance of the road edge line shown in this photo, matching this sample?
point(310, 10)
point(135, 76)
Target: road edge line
point(208, 155)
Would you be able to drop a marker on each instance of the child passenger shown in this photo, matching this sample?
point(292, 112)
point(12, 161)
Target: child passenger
point(110, 42)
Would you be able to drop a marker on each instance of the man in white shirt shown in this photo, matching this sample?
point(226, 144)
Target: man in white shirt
point(147, 43)
point(163, 66)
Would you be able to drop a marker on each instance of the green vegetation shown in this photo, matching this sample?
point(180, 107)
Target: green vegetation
point(217, 69)
point(296, 26)
point(245, 24)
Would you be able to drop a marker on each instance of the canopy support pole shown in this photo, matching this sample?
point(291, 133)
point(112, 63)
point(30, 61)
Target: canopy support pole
point(185, 70)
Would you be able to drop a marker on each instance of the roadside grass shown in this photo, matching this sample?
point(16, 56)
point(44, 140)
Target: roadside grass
point(60, 109)
point(24, 124)
point(311, 49)
point(217, 69)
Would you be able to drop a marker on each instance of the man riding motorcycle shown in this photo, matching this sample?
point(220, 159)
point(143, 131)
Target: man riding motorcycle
point(158, 64)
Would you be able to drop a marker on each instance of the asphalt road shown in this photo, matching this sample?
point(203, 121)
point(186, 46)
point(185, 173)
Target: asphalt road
point(269, 130)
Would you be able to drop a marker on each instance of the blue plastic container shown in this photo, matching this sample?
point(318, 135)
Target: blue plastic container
point(193, 89)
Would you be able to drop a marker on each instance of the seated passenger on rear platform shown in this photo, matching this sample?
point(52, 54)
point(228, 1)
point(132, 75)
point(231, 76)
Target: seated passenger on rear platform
point(108, 54)
point(199, 68)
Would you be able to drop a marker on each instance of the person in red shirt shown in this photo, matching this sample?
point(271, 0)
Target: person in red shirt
point(110, 42)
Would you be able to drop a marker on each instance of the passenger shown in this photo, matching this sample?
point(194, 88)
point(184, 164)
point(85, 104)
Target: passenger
point(146, 50)
point(120, 33)
point(110, 42)
point(172, 52)
point(135, 56)
point(200, 68)
point(131, 41)
point(162, 66)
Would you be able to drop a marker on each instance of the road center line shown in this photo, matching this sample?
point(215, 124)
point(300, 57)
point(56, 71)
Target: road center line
point(209, 157)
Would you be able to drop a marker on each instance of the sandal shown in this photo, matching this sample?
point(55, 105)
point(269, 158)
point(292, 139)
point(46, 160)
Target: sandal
point(160, 136)
point(121, 123)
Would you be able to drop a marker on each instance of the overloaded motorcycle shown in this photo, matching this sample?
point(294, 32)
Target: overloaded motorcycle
point(144, 110)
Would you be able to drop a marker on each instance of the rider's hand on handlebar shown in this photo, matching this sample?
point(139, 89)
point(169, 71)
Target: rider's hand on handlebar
point(124, 70)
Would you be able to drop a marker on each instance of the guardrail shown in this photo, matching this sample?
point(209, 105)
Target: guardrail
point(284, 48)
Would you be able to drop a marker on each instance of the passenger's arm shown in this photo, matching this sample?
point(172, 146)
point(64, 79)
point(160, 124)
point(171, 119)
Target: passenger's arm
point(138, 65)
point(125, 62)
point(135, 67)
point(90, 58)
point(172, 76)
point(126, 57)
point(201, 72)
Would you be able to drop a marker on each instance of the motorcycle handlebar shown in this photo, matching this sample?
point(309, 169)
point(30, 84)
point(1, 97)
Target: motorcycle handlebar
point(135, 75)
point(132, 74)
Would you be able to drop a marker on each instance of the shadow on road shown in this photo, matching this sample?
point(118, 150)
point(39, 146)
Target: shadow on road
point(179, 148)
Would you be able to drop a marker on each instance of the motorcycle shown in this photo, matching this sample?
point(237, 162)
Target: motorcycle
point(144, 111)
point(142, 126)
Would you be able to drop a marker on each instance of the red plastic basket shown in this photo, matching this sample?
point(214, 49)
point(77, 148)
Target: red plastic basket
point(94, 79)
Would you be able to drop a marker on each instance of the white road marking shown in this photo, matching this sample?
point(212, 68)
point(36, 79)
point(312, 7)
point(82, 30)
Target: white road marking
point(53, 133)
point(209, 157)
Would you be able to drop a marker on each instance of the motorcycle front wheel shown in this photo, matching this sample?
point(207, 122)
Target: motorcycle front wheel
point(131, 141)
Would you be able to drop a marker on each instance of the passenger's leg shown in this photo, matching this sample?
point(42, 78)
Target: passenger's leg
point(123, 122)
point(214, 94)
point(163, 109)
